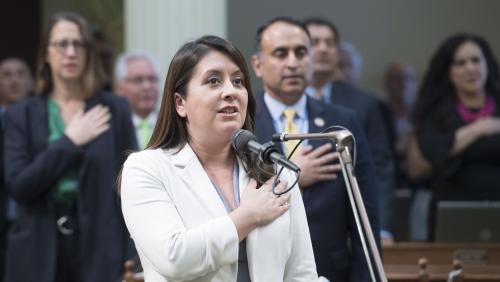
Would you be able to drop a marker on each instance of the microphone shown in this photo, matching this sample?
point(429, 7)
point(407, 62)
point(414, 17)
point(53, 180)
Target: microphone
point(244, 141)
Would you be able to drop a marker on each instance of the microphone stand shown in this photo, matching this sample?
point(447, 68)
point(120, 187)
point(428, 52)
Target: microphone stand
point(344, 140)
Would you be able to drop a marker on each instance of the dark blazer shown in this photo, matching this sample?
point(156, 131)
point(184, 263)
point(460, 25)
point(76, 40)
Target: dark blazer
point(33, 169)
point(3, 192)
point(328, 211)
point(3, 201)
point(367, 107)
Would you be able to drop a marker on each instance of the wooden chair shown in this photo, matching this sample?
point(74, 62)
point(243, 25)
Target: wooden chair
point(423, 275)
point(473, 273)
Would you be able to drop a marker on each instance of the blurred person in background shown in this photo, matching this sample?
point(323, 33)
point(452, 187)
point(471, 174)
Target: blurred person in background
point(16, 83)
point(137, 79)
point(324, 48)
point(400, 87)
point(350, 63)
point(412, 170)
point(457, 122)
point(64, 148)
point(105, 54)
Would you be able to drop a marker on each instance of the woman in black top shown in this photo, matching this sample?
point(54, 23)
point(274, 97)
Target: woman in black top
point(457, 121)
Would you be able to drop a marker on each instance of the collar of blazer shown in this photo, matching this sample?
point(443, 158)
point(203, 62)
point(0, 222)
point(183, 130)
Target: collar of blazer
point(187, 161)
point(182, 157)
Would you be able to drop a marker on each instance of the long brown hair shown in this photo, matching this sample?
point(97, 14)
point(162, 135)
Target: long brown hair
point(437, 94)
point(92, 73)
point(170, 130)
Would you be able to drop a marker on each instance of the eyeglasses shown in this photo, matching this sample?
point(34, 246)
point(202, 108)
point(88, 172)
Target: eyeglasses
point(138, 80)
point(63, 45)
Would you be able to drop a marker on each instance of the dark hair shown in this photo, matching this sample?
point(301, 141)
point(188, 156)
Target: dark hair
point(262, 28)
point(324, 22)
point(170, 130)
point(92, 73)
point(437, 94)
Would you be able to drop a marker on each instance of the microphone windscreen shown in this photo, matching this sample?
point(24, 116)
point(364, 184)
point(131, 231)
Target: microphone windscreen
point(240, 139)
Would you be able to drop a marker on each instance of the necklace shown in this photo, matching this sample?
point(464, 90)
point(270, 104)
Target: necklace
point(469, 115)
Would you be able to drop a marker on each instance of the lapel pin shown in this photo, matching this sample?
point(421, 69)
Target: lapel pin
point(319, 122)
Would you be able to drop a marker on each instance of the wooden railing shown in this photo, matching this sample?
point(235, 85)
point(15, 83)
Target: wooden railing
point(131, 274)
point(426, 262)
point(422, 262)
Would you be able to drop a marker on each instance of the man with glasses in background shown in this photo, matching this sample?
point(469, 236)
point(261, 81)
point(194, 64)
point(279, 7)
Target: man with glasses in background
point(136, 79)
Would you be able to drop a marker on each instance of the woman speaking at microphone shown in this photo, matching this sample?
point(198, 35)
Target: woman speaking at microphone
point(195, 209)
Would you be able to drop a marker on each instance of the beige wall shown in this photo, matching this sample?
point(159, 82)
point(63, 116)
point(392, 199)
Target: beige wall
point(161, 27)
point(383, 30)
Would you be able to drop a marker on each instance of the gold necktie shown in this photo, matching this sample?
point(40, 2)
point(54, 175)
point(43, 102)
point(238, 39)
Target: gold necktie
point(290, 127)
point(318, 94)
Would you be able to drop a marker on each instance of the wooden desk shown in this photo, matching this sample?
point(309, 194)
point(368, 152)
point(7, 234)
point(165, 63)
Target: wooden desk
point(439, 273)
point(479, 262)
point(410, 253)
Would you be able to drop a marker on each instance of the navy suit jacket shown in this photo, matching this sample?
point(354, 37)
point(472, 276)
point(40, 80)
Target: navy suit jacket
point(328, 211)
point(2, 188)
point(3, 192)
point(34, 166)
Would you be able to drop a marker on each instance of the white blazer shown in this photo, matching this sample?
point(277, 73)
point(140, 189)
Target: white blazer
point(182, 230)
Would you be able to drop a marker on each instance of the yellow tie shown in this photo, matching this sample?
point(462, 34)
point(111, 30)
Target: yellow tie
point(144, 132)
point(290, 127)
point(318, 94)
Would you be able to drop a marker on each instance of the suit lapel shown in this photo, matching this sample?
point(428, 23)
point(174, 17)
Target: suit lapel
point(340, 93)
point(39, 124)
point(334, 92)
point(195, 178)
point(243, 178)
point(100, 145)
point(94, 100)
point(264, 122)
point(316, 119)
